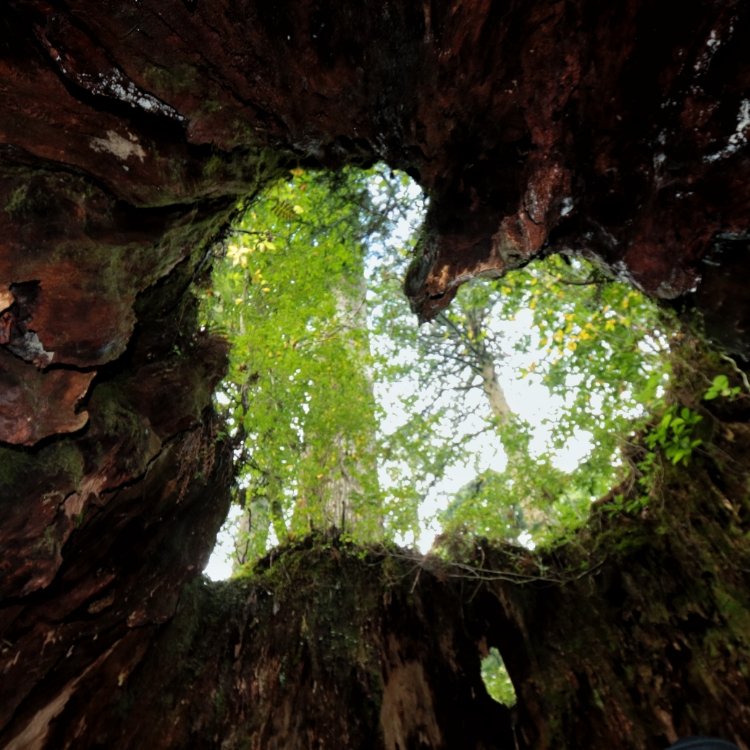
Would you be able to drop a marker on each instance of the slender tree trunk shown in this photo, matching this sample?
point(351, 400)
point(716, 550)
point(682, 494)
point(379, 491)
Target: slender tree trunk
point(356, 475)
point(495, 394)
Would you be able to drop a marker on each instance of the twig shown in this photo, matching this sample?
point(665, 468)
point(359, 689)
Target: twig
point(739, 372)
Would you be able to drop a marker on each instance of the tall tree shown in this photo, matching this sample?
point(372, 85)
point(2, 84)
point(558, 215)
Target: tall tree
point(593, 349)
point(290, 297)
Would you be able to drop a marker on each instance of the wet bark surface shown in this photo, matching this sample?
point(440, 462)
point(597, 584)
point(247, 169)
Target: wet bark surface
point(128, 131)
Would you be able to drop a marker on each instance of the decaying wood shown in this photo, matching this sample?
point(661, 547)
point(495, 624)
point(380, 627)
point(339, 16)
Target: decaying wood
point(128, 131)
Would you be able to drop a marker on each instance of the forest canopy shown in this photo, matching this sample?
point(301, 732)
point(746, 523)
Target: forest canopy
point(505, 417)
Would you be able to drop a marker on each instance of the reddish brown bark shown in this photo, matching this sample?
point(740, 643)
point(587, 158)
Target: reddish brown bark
point(127, 132)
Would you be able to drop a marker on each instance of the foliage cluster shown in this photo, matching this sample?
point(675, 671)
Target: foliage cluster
point(288, 292)
point(674, 434)
point(591, 350)
point(344, 412)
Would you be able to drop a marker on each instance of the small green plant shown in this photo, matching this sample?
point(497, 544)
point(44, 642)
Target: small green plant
point(675, 434)
point(635, 504)
point(720, 387)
